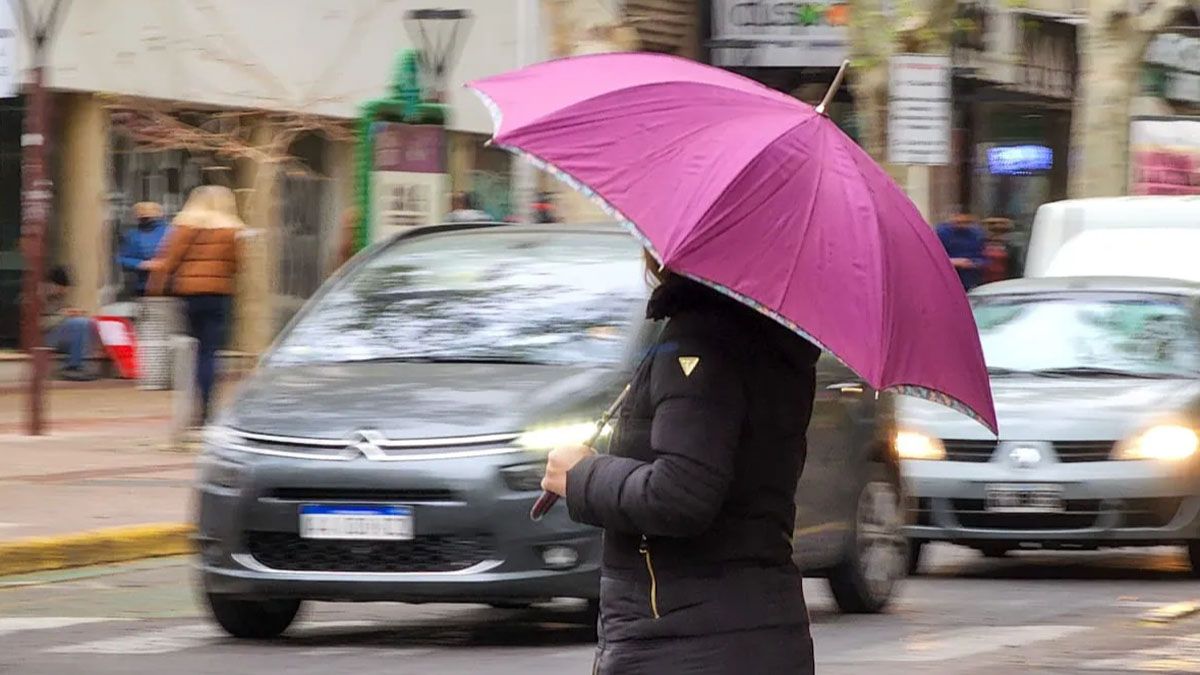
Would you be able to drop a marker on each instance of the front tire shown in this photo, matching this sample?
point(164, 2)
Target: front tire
point(877, 552)
point(252, 619)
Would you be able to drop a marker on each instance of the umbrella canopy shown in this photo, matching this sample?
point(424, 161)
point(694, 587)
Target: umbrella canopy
point(759, 196)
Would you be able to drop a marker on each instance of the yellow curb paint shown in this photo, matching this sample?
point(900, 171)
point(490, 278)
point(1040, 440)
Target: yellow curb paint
point(1171, 612)
point(95, 547)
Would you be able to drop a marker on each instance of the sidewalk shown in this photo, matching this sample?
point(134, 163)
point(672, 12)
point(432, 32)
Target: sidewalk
point(105, 464)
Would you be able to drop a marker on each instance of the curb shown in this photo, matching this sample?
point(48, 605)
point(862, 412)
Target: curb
point(109, 545)
point(1171, 612)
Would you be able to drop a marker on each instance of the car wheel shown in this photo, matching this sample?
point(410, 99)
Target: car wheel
point(877, 551)
point(1194, 557)
point(253, 619)
point(915, 548)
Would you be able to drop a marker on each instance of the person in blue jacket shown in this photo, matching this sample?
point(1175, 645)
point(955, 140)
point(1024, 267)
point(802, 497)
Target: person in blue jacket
point(140, 245)
point(965, 242)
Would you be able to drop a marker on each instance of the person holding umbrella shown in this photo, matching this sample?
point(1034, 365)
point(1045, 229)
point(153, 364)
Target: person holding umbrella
point(699, 487)
point(772, 235)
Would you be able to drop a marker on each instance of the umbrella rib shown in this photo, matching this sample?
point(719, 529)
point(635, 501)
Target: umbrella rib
point(740, 174)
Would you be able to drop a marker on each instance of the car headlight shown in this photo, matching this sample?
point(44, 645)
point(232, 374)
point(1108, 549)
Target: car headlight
point(911, 445)
point(1169, 442)
point(217, 436)
point(548, 438)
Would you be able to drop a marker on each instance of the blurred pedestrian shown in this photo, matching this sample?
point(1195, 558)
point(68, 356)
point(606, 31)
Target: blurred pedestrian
point(139, 246)
point(199, 263)
point(543, 209)
point(68, 330)
point(997, 251)
point(696, 496)
point(463, 209)
point(964, 240)
point(347, 238)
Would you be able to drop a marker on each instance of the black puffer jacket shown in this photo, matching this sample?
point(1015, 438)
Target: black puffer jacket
point(697, 494)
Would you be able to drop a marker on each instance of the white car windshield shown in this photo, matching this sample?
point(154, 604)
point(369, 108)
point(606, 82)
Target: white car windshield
point(480, 295)
point(1134, 335)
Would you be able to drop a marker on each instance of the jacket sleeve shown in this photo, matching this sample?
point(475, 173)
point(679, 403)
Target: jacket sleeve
point(698, 419)
point(170, 254)
point(127, 258)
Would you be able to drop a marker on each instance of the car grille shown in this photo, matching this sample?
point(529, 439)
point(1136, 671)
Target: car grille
point(1080, 514)
point(432, 553)
point(1083, 451)
point(969, 451)
point(387, 495)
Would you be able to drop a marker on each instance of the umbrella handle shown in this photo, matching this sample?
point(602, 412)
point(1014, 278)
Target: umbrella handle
point(833, 88)
point(548, 499)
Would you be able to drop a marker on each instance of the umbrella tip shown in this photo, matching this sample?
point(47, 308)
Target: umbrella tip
point(833, 88)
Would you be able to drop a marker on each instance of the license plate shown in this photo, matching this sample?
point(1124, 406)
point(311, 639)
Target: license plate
point(370, 522)
point(1025, 499)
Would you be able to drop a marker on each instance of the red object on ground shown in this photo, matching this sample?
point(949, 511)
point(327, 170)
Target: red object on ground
point(120, 343)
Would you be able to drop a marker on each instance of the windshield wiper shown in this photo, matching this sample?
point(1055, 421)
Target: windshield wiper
point(447, 358)
point(1002, 372)
point(1093, 371)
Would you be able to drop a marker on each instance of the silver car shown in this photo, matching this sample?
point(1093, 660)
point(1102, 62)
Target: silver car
point(1097, 388)
point(392, 442)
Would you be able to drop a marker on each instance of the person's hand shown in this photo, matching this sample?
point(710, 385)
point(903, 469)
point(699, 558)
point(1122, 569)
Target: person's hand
point(559, 462)
point(149, 265)
point(73, 311)
point(962, 263)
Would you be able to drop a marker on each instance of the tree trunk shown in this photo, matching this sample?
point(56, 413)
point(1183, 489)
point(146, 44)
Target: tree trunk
point(1113, 46)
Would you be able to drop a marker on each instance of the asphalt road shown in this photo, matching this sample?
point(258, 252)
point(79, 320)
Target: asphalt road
point(1032, 613)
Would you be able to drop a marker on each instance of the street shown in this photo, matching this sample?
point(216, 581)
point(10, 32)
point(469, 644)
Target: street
point(1032, 613)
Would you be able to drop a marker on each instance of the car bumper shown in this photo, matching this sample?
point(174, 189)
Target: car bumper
point(1108, 503)
point(464, 516)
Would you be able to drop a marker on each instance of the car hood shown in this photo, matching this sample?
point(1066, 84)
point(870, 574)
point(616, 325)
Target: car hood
point(1063, 409)
point(417, 400)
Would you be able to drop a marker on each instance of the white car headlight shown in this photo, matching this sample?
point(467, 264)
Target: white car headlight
point(217, 436)
point(912, 445)
point(548, 438)
point(1169, 442)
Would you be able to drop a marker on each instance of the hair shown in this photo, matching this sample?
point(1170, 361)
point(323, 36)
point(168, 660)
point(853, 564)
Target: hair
point(210, 206)
point(58, 276)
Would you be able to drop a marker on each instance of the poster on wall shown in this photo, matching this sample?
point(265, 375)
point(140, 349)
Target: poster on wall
point(10, 84)
point(780, 33)
point(919, 109)
point(1164, 156)
point(408, 179)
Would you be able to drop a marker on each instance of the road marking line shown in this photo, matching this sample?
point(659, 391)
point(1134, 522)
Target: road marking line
point(1171, 612)
point(164, 641)
point(24, 623)
point(1181, 655)
point(956, 644)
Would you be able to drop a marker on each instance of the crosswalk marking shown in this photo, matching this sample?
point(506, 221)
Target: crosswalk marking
point(17, 624)
point(163, 641)
point(956, 644)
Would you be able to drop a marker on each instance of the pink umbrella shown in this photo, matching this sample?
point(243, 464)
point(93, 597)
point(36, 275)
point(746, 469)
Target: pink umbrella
point(759, 196)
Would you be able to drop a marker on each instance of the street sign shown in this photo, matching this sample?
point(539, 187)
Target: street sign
point(10, 82)
point(919, 112)
point(409, 180)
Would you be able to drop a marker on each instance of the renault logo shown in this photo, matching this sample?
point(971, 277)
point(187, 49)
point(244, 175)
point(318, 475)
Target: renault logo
point(368, 444)
point(1025, 457)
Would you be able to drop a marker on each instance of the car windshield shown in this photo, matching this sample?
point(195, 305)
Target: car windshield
point(1131, 335)
point(488, 296)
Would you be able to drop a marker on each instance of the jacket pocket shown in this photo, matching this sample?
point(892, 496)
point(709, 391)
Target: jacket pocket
point(644, 549)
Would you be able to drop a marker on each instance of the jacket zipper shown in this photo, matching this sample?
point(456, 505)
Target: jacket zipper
point(644, 549)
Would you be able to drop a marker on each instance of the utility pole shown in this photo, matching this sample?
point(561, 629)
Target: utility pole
point(37, 192)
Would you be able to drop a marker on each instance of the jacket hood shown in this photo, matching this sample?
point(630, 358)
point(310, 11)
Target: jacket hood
point(738, 321)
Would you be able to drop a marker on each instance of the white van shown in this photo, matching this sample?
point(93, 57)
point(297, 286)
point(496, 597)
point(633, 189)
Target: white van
point(1056, 223)
point(1130, 252)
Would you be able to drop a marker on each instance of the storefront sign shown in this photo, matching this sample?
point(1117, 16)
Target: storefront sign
point(780, 33)
point(1165, 156)
point(409, 180)
point(10, 83)
point(1019, 160)
point(919, 110)
point(1179, 58)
